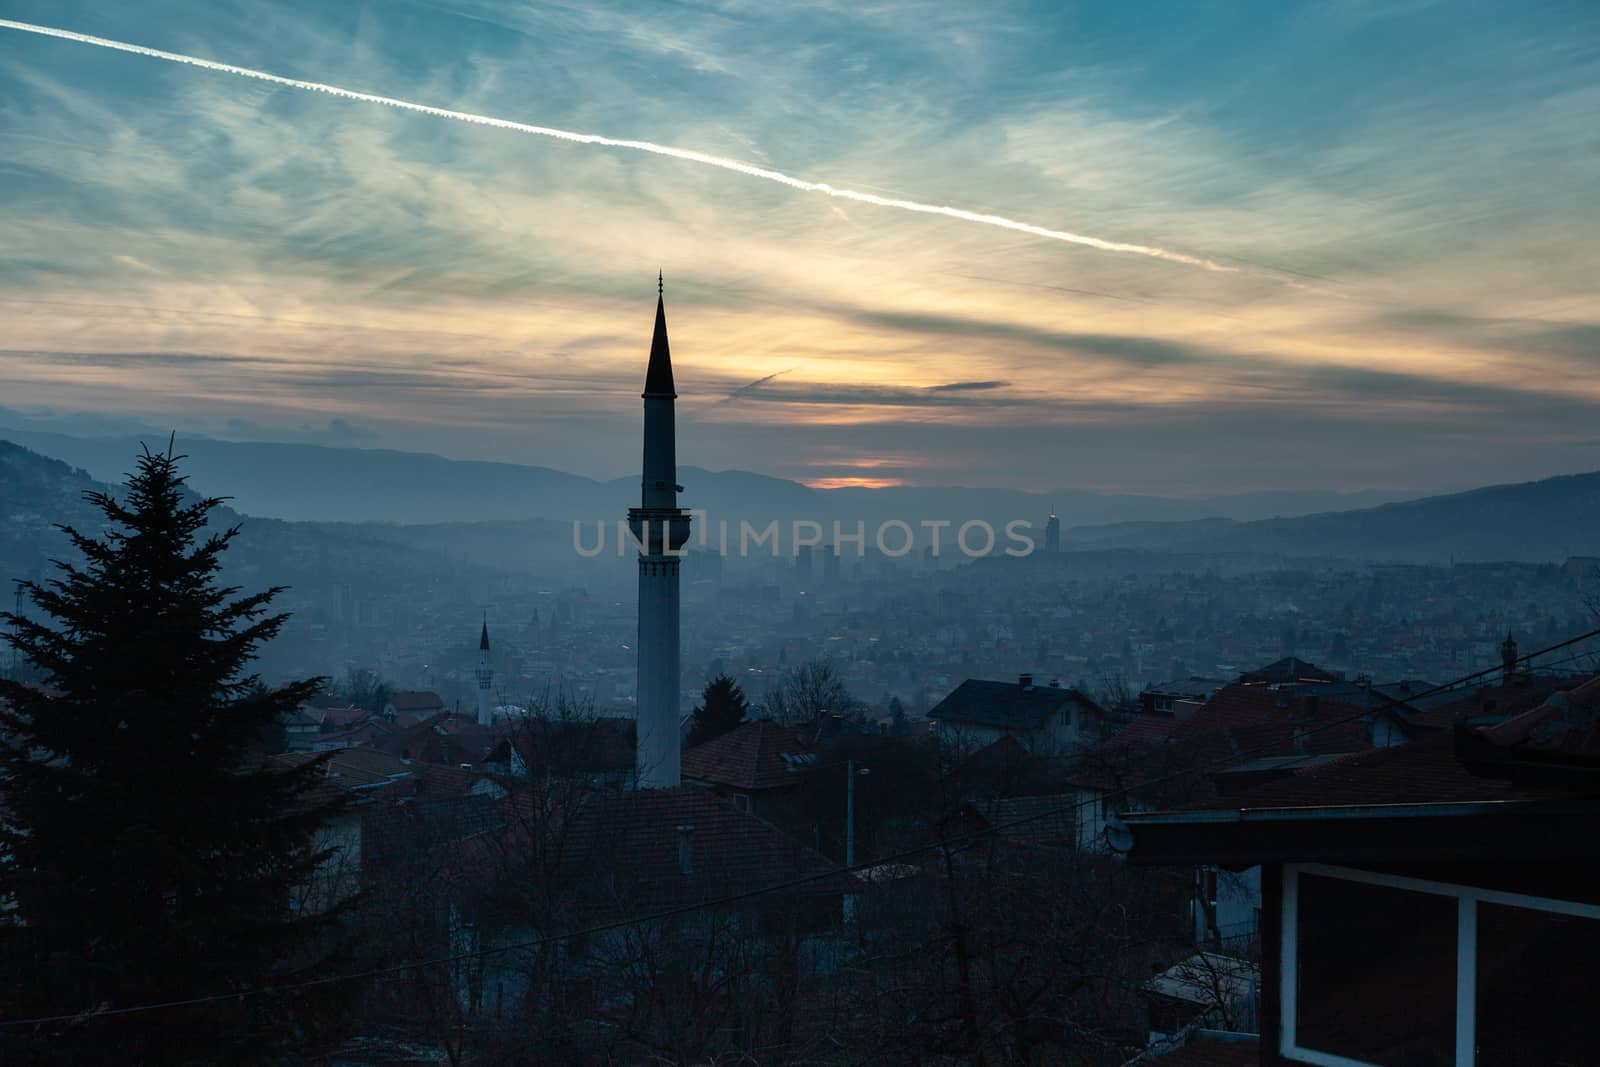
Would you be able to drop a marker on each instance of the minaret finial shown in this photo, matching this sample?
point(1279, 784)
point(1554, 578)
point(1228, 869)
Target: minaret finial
point(661, 285)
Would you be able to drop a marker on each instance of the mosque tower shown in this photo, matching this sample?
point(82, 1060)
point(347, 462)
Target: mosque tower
point(660, 529)
point(485, 675)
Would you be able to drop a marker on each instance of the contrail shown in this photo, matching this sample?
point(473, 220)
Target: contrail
point(687, 154)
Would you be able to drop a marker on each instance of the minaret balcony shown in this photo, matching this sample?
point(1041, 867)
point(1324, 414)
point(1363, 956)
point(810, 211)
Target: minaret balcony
point(659, 530)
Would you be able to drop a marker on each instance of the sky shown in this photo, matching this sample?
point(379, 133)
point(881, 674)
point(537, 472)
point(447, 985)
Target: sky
point(1395, 207)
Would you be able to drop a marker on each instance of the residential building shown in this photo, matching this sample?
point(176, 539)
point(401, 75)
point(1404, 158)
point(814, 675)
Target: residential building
point(1423, 904)
point(1047, 719)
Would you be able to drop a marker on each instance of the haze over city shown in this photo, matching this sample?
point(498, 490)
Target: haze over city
point(799, 535)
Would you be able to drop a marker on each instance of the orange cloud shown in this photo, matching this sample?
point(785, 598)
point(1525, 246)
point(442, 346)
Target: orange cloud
point(854, 483)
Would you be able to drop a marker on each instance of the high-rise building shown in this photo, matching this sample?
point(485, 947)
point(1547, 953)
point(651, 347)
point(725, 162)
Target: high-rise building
point(830, 565)
point(661, 529)
point(1052, 533)
point(804, 564)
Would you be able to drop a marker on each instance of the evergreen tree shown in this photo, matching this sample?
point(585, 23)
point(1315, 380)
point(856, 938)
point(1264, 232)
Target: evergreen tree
point(899, 726)
point(146, 854)
point(723, 706)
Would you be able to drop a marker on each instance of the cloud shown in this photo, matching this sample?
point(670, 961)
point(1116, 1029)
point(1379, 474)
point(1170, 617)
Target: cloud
point(959, 394)
point(954, 387)
point(491, 294)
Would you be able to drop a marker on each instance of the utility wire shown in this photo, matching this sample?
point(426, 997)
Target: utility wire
point(947, 843)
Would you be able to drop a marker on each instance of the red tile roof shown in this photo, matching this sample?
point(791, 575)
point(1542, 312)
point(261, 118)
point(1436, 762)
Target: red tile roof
point(750, 756)
point(1147, 730)
point(445, 739)
point(343, 717)
point(415, 700)
point(370, 770)
point(1567, 722)
point(1504, 701)
point(1423, 772)
point(1246, 721)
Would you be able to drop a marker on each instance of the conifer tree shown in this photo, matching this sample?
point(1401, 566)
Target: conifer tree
point(146, 854)
point(722, 707)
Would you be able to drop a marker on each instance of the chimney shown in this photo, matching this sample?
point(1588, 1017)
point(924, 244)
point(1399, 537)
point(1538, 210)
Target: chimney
point(1025, 681)
point(686, 849)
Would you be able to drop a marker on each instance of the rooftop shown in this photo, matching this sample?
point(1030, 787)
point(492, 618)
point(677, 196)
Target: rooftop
point(1006, 705)
point(753, 755)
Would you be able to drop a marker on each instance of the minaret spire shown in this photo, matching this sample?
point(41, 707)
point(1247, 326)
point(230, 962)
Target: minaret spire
point(660, 528)
point(485, 675)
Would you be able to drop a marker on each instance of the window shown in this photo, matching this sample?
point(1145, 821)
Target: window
point(1535, 971)
point(1398, 971)
point(742, 802)
point(1376, 981)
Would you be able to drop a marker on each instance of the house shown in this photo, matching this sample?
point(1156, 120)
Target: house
point(1046, 719)
point(1073, 819)
point(301, 725)
point(1161, 698)
point(757, 765)
point(1288, 670)
point(443, 738)
point(1207, 989)
point(598, 750)
point(407, 707)
point(1421, 904)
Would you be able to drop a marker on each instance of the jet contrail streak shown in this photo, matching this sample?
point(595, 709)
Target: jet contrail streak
point(638, 146)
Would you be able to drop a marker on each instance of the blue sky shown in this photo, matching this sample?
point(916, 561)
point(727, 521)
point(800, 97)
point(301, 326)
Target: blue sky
point(1406, 196)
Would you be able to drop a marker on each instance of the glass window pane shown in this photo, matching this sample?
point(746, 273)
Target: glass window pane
point(1377, 973)
point(1535, 983)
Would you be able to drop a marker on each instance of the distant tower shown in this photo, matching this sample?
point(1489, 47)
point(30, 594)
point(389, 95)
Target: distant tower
point(485, 678)
point(1052, 533)
point(661, 530)
point(1508, 660)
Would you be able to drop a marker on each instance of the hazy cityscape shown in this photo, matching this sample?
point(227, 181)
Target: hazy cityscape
point(1111, 577)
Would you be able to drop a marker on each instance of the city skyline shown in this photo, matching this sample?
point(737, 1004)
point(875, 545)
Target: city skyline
point(1402, 197)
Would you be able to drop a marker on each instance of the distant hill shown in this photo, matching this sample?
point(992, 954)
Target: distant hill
point(1544, 521)
point(37, 493)
point(327, 484)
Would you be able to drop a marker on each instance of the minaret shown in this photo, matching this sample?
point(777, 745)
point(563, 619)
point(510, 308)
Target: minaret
point(485, 678)
point(661, 530)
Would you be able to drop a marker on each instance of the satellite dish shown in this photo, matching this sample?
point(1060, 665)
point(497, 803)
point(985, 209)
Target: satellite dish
point(1118, 836)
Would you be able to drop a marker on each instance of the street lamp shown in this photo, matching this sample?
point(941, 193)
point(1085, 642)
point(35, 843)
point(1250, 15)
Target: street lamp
point(850, 810)
point(850, 834)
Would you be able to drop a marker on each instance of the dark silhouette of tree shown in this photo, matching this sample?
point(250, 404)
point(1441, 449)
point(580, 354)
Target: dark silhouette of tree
point(364, 689)
point(722, 707)
point(899, 725)
point(807, 692)
point(146, 855)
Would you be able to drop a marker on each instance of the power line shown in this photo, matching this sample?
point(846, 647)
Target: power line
point(956, 842)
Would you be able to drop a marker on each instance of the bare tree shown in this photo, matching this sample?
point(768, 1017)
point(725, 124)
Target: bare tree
point(807, 692)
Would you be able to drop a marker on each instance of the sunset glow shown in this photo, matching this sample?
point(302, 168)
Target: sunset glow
point(1402, 293)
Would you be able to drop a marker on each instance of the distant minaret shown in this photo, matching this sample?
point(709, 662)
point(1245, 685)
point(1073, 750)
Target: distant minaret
point(1508, 660)
point(485, 678)
point(661, 529)
point(1052, 533)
